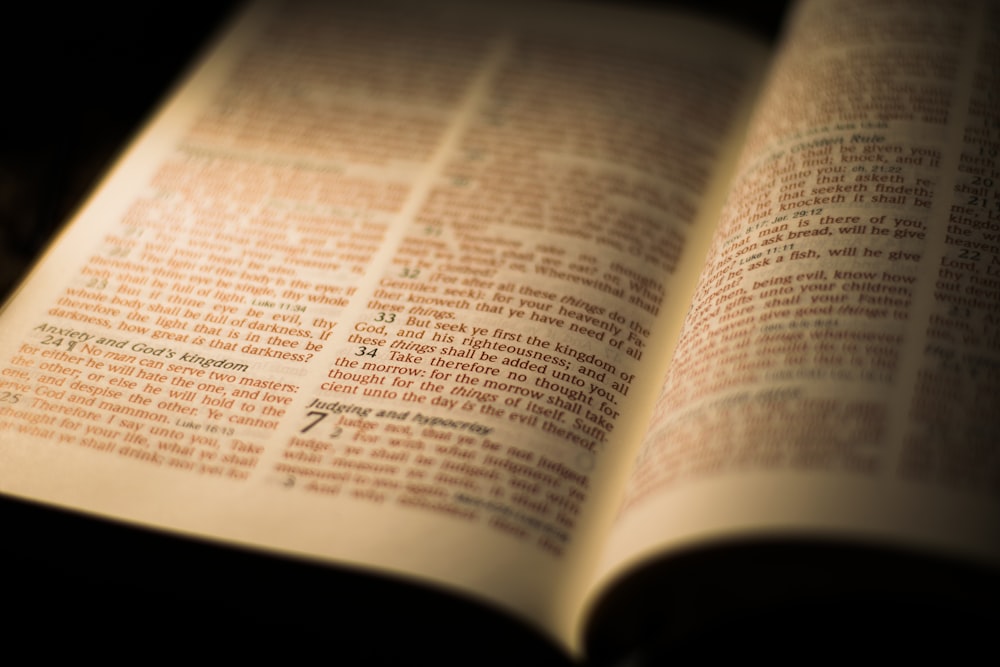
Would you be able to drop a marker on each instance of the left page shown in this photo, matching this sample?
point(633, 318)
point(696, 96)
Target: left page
point(377, 287)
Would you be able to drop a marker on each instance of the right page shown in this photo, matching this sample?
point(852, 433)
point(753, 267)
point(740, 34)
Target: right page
point(839, 369)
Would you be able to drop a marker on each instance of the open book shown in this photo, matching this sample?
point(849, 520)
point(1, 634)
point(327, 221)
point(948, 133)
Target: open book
point(522, 302)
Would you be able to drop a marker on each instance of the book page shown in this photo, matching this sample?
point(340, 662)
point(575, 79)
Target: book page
point(837, 374)
point(385, 285)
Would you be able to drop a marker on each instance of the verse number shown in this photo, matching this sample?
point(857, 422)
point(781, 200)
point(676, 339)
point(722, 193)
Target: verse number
point(385, 317)
point(365, 351)
point(9, 397)
point(315, 417)
point(58, 341)
point(982, 202)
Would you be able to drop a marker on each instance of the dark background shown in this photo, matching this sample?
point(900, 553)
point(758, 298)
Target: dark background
point(77, 84)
